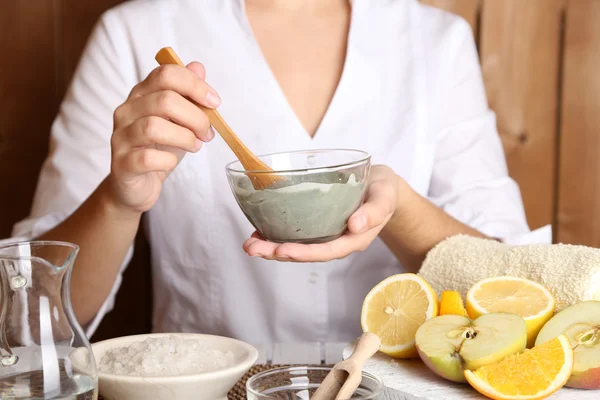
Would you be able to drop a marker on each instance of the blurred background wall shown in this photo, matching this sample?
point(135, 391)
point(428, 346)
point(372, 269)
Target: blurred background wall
point(541, 64)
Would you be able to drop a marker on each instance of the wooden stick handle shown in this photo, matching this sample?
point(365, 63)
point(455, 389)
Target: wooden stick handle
point(167, 55)
point(248, 160)
point(368, 344)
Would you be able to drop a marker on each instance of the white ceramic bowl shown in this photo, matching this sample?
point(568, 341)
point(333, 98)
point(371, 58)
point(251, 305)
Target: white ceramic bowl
point(204, 386)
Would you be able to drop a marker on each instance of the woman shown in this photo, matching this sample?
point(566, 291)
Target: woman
point(395, 78)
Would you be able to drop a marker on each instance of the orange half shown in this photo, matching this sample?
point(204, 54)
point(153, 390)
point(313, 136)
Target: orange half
point(530, 375)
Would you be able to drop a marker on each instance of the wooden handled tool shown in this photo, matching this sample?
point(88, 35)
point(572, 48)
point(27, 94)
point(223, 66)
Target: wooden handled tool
point(345, 377)
point(249, 161)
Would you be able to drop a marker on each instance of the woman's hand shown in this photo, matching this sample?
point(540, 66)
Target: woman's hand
point(153, 129)
point(363, 226)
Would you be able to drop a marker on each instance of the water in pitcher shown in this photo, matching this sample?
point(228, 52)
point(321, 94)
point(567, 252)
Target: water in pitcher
point(30, 386)
point(44, 353)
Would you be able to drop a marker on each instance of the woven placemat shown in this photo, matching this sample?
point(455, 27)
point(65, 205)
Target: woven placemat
point(238, 392)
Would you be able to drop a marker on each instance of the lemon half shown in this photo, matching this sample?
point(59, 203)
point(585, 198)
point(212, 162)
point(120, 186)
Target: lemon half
point(532, 301)
point(395, 308)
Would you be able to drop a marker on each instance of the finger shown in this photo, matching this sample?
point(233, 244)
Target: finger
point(253, 238)
point(198, 69)
point(257, 246)
point(260, 248)
point(248, 242)
point(314, 252)
point(377, 209)
point(148, 160)
point(184, 81)
point(152, 130)
point(171, 105)
point(335, 249)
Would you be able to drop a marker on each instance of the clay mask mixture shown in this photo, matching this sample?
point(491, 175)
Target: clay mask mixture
point(165, 356)
point(308, 209)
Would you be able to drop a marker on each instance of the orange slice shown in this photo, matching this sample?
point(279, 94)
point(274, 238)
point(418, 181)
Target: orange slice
point(530, 375)
point(452, 304)
point(394, 309)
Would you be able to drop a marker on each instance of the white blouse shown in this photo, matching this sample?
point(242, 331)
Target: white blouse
point(411, 94)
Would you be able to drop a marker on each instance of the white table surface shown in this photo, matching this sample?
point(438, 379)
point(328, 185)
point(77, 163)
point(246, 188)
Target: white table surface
point(412, 380)
point(404, 379)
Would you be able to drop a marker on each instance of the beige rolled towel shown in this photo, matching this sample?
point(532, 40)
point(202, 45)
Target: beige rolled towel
point(571, 273)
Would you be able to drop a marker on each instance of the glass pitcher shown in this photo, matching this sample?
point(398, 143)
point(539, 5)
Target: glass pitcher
point(44, 353)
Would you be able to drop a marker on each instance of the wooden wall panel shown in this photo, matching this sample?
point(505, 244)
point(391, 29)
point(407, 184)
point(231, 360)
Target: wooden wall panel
point(29, 97)
point(579, 166)
point(520, 57)
point(468, 9)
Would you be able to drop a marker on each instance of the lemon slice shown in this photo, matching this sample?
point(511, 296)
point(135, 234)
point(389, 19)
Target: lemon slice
point(509, 294)
point(532, 374)
point(394, 309)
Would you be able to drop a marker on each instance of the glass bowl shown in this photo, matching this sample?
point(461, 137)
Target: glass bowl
point(299, 383)
point(320, 191)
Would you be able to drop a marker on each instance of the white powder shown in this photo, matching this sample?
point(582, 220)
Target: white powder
point(166, 356)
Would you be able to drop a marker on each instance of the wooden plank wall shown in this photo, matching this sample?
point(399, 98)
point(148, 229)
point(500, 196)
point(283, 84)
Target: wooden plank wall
point(578, 216)
point(519, 44)
point(519, 48)
point(540, 61)
point(28, 99)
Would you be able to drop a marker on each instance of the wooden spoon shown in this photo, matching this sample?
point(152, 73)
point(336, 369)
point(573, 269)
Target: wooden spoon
point(345, 377)
point(249, 161)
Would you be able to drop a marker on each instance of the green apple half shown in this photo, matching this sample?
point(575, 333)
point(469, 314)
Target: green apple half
point(451, 344)
point(581, 323)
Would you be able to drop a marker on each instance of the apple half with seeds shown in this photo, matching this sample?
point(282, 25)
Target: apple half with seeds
point(451, 344)
point(581, 323)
